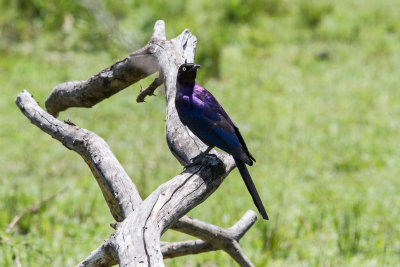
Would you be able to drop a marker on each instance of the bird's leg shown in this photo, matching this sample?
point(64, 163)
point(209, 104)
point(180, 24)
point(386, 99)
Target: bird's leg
point(199, 158)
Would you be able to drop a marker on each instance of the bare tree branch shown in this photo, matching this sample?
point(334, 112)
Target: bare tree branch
point(136, 240)
point(158, 34)
point(226, 239)
point(215, 237)
point(178, 249)
point(118, 190)
point(102, 256)
point(218, 238)
point(200, 178)
point(149, 91)
point(109, 81)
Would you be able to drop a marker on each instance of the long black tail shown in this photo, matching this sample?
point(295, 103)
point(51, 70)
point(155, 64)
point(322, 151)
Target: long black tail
point(251, 187)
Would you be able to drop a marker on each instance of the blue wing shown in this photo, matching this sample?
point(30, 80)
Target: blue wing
point(206, 118)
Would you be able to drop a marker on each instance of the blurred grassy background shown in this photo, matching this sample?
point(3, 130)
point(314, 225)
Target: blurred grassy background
point(313, 86)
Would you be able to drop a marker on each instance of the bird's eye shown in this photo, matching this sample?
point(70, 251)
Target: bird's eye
point(184, 68)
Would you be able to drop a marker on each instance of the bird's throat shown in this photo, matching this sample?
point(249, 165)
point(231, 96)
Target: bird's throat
point(186, 88)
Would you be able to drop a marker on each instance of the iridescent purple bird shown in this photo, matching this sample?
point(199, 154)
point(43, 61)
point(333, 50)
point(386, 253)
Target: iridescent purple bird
point(204, 116)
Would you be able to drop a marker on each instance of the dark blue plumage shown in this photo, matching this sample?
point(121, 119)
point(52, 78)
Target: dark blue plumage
point(204, 116)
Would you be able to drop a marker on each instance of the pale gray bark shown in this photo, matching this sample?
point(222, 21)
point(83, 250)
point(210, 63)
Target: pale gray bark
point(118, 190)
point(136, 240)
point(109, 81)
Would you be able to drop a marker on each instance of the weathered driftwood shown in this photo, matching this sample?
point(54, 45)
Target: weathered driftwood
point(136, 240)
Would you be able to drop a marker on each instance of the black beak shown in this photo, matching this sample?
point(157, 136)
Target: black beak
point(194, 67)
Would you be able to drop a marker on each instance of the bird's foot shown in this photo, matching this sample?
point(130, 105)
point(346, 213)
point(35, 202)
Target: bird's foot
point(198, 159)
point(195, 161)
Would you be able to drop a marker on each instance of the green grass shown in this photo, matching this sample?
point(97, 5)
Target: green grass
point(313, 87)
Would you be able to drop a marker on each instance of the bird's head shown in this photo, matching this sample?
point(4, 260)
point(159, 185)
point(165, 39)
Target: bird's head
point(187, 72)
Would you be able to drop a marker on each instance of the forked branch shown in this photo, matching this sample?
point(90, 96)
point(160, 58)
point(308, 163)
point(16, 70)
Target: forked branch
point(136, 240)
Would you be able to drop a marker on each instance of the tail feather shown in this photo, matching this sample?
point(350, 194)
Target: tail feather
point(251, 187)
